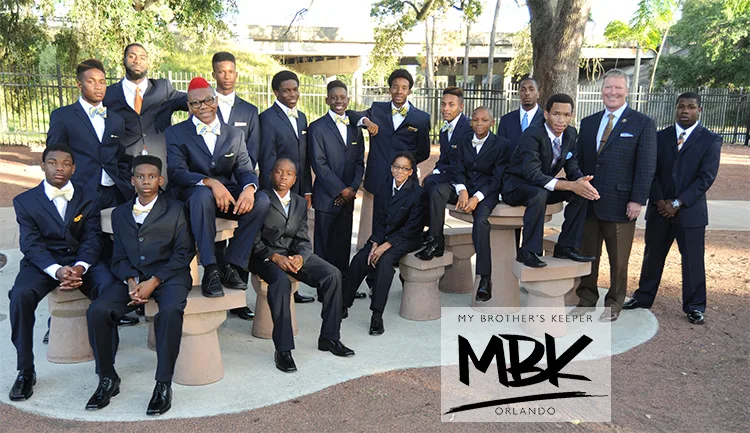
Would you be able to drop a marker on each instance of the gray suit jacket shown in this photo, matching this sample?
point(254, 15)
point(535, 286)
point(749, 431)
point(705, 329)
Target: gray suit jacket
point(282, 234)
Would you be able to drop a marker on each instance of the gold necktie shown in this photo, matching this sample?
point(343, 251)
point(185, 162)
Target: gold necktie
point(402, 111)
point(65, 192)
point(607, 131)
point(138, 103)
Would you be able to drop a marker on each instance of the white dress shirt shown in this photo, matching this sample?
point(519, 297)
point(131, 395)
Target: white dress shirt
point(287, 198)
point(292, 120)
point(209, 138)
point(128, 88)
point(146, 208)
point(479, 144)
point(550, 186)
point(450, 132)
point(341, 127)
point(98, 123)
point(62, 206)
point(679, 130)
point(397, 188)
point(531, 113)
point(226, 102)
point(605, 120)
point(398, 119)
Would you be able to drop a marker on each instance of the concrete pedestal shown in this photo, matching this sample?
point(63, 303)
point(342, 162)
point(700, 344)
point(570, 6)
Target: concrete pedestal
point(262, 322)
point(571, 298)
point(365, 219)
point(421, 298)
point(459, 276)
point(68, 335)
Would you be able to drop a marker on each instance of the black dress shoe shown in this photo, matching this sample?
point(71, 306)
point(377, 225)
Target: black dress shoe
point(284, 361)
point(230, 278)
point(632, 304)
point(696, 317)
point(434, 249)
point(23, 387)
point(161, 399)
point(344, 313)
point(360, 295)
point(302, 299)
point(128, 321)
point(107, 389)
point(334, 346)
point(609, 317)
point(45, 340)
point(243, 313)
point(530, 259)
point(140, 311)
point(376, 324)
point(571, 254)
point(211, 284)
point(426, 238)
point(484, 291)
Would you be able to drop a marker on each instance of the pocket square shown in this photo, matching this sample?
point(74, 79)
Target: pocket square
point(240, 123)
point(113, 136)
point(229, 155)
point(304, 132)
point(78, 218)
point(569, 155)
point(412, 129)
point(353, 143)
point(626, 134)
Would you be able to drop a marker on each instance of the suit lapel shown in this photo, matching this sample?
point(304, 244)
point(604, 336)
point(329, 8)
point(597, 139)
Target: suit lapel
point(539, 115)
point(335, 129)
point(120, 92)
point(401, 193)
point(616, 129)
point(276, 203)
point(221, 142)
point(409, 114)
point(545, 152)
point(149, 96)
point(47, 204)
point(489, 142)
point(86, 120)
point(284, 118)
point(564, 149)
point(158, 210)
point(73, 205)
point(694, 136)
point(197, 139)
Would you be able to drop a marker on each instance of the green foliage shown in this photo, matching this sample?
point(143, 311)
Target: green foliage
point(23, 34)
point(647, 25)
point(521, 63)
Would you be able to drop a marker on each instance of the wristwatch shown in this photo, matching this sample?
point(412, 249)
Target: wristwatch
point(676, 204)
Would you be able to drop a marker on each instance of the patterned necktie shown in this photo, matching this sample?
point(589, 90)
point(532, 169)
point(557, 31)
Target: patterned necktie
point(525, 121)
point(138, 102)
point(447, 127)
point(138, 209)
point(65, 192)
point(342, 119)
point(680, 141)
point(402, 111)
point(293, 113)
point(607, 131)
point(556, 151)
point(203, 129)
point(93, 111)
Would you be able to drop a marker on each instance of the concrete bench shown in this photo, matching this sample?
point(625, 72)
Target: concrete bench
point(459, 276)
point(263, 322)
point(547, 287)
point(199, 361)
point(571, 298)
point(69, 336)
point(421, 297)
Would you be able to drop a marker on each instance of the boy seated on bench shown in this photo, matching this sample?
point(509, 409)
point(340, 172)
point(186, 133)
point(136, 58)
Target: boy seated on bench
point(152, 255)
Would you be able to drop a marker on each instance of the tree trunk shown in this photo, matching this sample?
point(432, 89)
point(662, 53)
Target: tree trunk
point(429, 60)
point(557, 30)
point(466, 53)
point(491, 58)
point(656, 61)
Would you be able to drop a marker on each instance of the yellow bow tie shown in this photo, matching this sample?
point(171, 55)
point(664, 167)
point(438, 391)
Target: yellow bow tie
point(447, 126)
point(293, 113)
point(138, 209)
point(475, 142)
point(93, 111)
point(65, 192)
point(203, 129)
point(402, 111)
point(342, 119)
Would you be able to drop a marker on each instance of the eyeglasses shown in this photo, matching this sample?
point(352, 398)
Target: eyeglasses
point(197, 104)
point(400, 168)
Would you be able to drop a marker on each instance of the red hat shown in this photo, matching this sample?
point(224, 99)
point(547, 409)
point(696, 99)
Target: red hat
point(198, 83)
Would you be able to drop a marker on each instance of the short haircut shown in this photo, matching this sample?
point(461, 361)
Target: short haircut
point(284, 159)
point(88, 65)
point(487, 109)
point(129, 46)
point(222, 56)
point(560, 98)
point(147, 160)
point(401, 73)
point(58, 147)
point(408, 155)
point(528, 78)
point(617, 73)
point(281, 77)
point(690, 95)
point(336, 84)
point(455, 91)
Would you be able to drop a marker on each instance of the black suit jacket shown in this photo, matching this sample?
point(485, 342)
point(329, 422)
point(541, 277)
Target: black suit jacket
point(71, 125)
point(624, 168)
point(46, 239)
point(685, 175)
point(510, 126)
point(163, 246)
point(244, 116)
point(282, 234)
point(277, 140)
point(448, 147)
point(484, 171)
point(190, 161)
point(398, 218)
point(531, 162)
point(337, 165)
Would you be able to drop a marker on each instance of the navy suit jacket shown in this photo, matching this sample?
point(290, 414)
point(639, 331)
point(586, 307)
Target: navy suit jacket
point(531, 162)
point(244, 116)
point(448, 147)
point(412, 135)
point(277, 140)
point(685, 175)
point(624, 168)
point(336, 164)
point(72, 125)
point(190, 161)
point(163, 246)
point(398, 218)
point(46, 239)
point(282, 234)
point(159, 102)
point(484, 171)
point(510, 126)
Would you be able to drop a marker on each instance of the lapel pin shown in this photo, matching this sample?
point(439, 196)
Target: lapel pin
point(624, 120)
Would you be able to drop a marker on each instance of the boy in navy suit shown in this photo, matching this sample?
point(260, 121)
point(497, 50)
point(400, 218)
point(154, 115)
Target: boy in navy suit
point(153, 250)
point(338, 158)
point(60, 228)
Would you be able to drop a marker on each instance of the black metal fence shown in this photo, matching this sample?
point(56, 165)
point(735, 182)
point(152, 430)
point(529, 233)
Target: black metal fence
point(28, 98)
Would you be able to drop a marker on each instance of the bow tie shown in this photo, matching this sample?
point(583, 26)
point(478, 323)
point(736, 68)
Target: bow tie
point(93, 111)
point(66, 192)
point(402, 111)
point(293, 113)
point(342, 119)
point(203, 129)
point(286, 200)
point(229, 100)
point(476, 142)
point(138, 209)
point(447, 126)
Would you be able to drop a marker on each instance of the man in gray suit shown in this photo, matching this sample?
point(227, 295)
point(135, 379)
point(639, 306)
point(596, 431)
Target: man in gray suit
point(618, 147)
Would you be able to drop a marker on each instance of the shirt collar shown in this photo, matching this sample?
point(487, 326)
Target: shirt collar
point(48, 188)
point(229, 97)
point(454, 122)
point(130, 86)
point(551, 134)
point(406, 104)
point(398, 188)
point(86, 106)
point(686, 131)
point(480, 141)
point(148, 206)
point(335, 116)
point(281, 199)
point(284, 107)
point(617, 113)
point(531, 112)
point(211, 125)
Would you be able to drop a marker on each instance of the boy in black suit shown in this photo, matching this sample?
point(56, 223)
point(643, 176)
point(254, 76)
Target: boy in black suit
point(60, 229)
point(529, 180)
point(153, 250)
point(337, 155)
point(282, 247)
point(477, 172)
point(396, 231)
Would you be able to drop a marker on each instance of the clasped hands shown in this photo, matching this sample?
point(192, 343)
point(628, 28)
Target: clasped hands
point(70, 277)
point(465, 203)
point(347, 195)
point(224, 198)
point(376, 252)
point(141, 292)
point(665, 208)
point(288, 263)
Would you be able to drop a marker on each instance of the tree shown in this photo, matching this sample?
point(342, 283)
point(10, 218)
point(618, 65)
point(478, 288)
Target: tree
point(472, 9)
point(491, 57)
point(521, 64)
point(22, 32)
point(557, 29)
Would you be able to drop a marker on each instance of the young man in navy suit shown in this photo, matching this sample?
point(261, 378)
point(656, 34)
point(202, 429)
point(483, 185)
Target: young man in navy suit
point(337, 155)
point(60, 228)
point(153, 250)
point(94, 135)
point(283, 247)
point(477, 170)
point(529, 180)
point(686, 167)
point(396, 231)
point(513, 124)
point(213, 175)
point(283, 134)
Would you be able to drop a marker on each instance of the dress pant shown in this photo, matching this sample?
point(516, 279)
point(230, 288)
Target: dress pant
point(202, 213)
point(333, 235)
point(30, 287)
point(440, 194)
point(618, 237)
point(382, 273)
point(480, 235)
point(315, 272)
point(660, 235)
point(536, 200)
point(104, 314)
